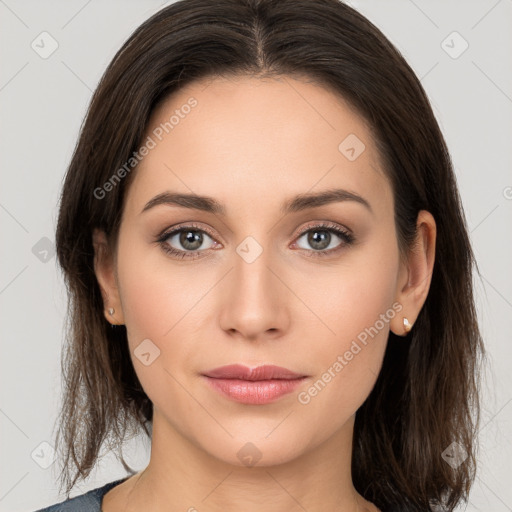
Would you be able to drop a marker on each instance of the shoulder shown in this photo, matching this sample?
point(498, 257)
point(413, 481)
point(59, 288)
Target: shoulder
point(88, 502)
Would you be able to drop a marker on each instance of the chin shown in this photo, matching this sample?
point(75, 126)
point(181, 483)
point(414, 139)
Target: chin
point(251, 448)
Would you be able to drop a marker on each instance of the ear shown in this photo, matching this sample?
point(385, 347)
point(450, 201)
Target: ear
point(104, 268)
point(415, 274)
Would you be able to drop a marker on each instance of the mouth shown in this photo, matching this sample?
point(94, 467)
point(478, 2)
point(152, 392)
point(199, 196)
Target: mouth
point(256, 386)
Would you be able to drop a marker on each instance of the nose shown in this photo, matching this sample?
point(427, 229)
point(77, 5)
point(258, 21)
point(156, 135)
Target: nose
point(255, 299)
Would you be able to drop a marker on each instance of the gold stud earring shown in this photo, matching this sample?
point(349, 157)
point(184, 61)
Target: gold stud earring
point(111, 311)
point(407, 325)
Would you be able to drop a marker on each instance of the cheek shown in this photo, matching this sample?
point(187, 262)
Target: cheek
point(356, 304)
point(352, 297)
point(152, 299)
point(155, 309)
point(167, 304)
point(155, 306)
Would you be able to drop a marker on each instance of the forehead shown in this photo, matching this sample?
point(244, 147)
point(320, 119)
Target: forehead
point(245, 139)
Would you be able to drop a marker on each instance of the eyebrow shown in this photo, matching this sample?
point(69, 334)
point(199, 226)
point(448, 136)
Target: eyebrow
point(296, 204)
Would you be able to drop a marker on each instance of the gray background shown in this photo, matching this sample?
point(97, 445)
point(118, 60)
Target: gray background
point(42, 103)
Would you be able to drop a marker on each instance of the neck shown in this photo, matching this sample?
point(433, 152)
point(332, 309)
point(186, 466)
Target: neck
point(183, 476)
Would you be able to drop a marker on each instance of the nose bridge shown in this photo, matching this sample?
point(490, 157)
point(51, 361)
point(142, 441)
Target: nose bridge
point(251, 276)
point(254, 302)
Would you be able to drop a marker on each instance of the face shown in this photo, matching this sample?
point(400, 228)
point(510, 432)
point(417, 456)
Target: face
point(264, 280)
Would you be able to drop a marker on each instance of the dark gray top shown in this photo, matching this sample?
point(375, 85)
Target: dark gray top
point(88, 502)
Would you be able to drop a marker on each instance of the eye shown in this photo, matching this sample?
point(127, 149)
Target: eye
point(320, 238)
point(188, 241)
point(185, 241)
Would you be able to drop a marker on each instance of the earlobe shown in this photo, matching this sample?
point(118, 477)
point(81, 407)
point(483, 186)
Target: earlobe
point(105, 275)
point(416, 274)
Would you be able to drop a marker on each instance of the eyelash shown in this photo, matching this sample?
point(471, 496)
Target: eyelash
point(348, 239)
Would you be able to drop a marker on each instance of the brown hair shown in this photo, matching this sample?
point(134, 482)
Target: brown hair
point(426, 396)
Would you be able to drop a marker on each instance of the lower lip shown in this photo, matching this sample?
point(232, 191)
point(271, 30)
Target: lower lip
point(254, 392)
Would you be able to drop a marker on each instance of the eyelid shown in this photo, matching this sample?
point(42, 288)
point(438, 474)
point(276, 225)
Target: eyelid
point(323, 224)
point(167, 232)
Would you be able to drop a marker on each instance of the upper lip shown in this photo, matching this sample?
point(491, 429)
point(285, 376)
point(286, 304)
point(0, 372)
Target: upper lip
point(265, 372)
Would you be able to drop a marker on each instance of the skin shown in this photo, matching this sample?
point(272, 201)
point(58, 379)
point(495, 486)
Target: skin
point(253, 144)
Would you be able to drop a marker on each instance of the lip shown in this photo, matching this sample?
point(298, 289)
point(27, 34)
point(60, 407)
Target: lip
point(264, 372)
point(256, 386)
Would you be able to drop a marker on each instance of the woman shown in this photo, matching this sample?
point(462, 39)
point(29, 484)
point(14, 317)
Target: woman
point(269, 271)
